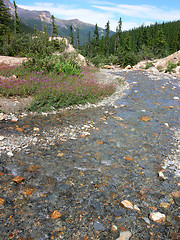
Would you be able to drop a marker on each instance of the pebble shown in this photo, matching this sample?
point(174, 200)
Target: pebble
point(114, 228)
point(135, 207)
point(17, 179)
point(164, 205)
point(161, 176)
point(176, 98)
point(98, 226)
point(127, 204)
point(124, 235)
point(157, 217)
point(176, 194)
point(167, 125)
point(118, 118)
point(10, 154)
point(2, 138)
point(146, 220)
point(36, 129)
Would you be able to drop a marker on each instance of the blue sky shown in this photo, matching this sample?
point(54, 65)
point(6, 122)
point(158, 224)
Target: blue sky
point(133, 13)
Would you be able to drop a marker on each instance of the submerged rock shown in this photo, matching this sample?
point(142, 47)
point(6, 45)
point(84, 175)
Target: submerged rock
point(157, 217)
point(98, 226)
point(127, 204)
point(124, 235)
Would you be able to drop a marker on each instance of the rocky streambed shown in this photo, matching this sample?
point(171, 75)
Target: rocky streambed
point(109, 171)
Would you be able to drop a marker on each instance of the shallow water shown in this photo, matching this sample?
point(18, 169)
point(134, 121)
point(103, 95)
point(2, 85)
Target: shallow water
point(83, 163)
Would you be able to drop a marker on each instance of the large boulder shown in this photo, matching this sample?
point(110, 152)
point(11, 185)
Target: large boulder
point(153, 70)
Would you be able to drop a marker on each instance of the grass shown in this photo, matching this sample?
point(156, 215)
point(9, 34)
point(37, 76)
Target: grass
point(170, 67)
point(53, 91)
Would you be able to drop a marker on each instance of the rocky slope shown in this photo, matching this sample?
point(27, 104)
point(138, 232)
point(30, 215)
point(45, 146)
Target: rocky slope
point(161, 65)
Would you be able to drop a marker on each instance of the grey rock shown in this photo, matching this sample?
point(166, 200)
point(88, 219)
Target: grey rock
point(98, 226)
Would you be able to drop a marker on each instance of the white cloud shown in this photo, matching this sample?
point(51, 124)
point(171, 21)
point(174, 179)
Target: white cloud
point(142, 11)
point(70, 12)
point(102, 11)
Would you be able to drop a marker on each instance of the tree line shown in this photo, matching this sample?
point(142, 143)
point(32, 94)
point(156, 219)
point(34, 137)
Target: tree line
point(123, 47)
point(17, 39)
point(129, 47)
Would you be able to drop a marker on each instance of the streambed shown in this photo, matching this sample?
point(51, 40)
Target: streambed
point(77, 166)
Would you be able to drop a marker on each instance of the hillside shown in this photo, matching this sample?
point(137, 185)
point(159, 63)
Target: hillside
point(32, 18)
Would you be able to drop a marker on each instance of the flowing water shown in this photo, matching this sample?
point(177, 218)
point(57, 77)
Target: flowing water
point(83, 163)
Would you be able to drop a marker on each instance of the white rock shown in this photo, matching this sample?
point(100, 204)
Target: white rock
point(14, 119)
point(10, 154)
point(86, 133)
point(128, 67)
point(36, 129)
point(2, 138)
point(166, 124)
point(146, 220)
point(135, 207)
point(1, 116)
point(124, 235)
point(153, 70)
point(127, 204)
point(118, 118)
point(114, 228)
point(157, 217)
point(161, 176)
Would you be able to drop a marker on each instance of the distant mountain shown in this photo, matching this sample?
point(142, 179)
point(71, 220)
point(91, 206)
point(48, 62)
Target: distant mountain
point(32, 18)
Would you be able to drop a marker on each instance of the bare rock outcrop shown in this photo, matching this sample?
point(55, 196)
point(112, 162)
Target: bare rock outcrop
point(161, 65)
point(80, 59)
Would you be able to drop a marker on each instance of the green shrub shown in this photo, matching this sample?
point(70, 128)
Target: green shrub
point(129, 58)
point(170, 67)
point(148, 65)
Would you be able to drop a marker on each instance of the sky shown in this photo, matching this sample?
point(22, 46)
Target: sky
point(132, 13)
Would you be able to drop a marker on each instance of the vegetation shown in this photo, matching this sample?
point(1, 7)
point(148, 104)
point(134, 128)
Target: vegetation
point(129, 47)
point(170, 67)
point(57, 81)
point(52, 91)
point(54, 81)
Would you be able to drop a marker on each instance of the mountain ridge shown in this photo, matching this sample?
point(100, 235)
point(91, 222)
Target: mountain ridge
point(34, 17)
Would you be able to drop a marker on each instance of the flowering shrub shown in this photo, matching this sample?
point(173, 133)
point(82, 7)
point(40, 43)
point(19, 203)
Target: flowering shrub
point(56, 91)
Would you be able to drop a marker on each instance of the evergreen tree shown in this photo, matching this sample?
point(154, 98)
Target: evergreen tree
point(107, 47)
point(5, 19)
point(77, 39)
point(89, 45)
point(161, 44)
point(95, 40)
point(35, 30)
point(54, 27)
point(101, 46)
point(71, 35)
point(16, 19)
point(118, 36)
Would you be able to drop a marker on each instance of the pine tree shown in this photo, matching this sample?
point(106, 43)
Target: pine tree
point(5, 19)
point(16, 19)
point(95, 40)
point(71, 35)
point(118, 35)
point(89, 45)
point(107, 47)
point(161, 44)
point(35, 30)
point(77, 39)
point(54, 27)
